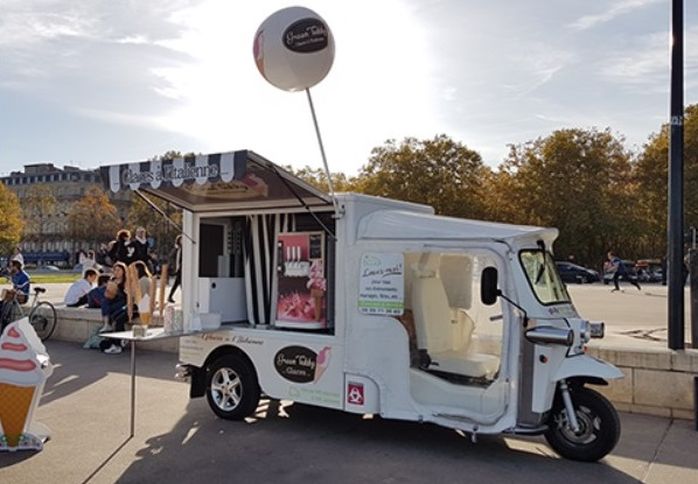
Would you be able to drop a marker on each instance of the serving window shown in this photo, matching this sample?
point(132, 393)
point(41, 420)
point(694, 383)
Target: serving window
point(269, 269)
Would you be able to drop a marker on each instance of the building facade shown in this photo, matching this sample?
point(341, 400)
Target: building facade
point(45, 238)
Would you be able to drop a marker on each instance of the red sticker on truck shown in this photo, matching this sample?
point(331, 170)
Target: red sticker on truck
point(355, 393)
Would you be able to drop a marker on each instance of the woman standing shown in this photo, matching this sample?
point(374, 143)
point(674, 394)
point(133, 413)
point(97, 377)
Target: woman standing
point(140, 247)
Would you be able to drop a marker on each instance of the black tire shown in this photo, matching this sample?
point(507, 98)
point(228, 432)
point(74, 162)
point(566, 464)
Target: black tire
point(599, 426)
point(43, 319)
point(232, 389)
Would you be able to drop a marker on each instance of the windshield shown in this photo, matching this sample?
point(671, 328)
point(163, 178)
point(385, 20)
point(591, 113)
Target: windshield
point(543, 277)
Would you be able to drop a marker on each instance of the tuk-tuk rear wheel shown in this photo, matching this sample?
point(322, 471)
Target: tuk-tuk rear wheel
point(599, 427)
point(232, 390)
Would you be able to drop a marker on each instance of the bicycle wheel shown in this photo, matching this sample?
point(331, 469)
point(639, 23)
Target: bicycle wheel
point(43, 318)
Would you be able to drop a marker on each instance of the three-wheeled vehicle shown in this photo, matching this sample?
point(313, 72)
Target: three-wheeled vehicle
point(375, 306)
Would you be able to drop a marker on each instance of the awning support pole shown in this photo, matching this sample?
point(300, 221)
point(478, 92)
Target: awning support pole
point(157, 209)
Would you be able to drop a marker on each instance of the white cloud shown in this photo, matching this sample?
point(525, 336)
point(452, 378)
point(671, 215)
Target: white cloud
point(617, 9)
point(379, 86)
point(645, 61)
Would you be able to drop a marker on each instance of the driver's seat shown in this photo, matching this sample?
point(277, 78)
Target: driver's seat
point(445, 339)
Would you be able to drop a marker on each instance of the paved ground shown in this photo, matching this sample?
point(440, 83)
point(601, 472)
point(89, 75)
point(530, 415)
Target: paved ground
point(86, 404)
point(632, 317)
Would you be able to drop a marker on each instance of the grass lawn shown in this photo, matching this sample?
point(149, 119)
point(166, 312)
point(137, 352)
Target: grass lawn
point(53, 277)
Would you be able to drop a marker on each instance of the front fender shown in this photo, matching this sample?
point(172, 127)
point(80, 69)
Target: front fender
point(569, 367)
point(585, 365)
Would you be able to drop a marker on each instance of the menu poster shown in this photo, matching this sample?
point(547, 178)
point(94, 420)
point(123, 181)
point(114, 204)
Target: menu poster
point(302, 286)
point(382, 284)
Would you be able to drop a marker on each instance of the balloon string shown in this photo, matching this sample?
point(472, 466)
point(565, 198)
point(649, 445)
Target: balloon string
point(322, 152)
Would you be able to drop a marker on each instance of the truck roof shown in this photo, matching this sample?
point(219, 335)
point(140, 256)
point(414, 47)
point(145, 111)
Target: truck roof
point(403, 224)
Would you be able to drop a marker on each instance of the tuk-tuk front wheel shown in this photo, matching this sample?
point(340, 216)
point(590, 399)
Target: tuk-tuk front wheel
point(232, 390)
point(599, 427)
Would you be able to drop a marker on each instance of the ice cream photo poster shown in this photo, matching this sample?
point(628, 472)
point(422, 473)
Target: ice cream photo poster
point(24, 369)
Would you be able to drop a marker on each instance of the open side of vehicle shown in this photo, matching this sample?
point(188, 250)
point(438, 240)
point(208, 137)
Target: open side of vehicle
point(379, 307)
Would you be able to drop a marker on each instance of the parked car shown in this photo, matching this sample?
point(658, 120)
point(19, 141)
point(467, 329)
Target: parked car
point(570, 272)
point(629, 270)
point(649, 270)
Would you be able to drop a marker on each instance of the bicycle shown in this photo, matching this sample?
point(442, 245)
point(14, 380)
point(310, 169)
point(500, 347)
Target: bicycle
point(41, 314)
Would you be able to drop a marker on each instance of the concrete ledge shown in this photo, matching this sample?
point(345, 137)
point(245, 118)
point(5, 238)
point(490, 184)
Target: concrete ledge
point(77, 324)
point(657, 381)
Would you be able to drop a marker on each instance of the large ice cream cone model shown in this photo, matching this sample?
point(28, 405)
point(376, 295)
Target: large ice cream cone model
point(24, 368)
point(14, 410)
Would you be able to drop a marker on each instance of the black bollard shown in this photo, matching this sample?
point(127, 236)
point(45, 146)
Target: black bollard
point(693, 276)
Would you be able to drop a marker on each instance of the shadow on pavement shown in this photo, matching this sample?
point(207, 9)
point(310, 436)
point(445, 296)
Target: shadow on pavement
point(294, 443)
point(298, 443)
point(77, 368)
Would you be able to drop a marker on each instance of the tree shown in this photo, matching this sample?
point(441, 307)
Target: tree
point(93, 218)
point(39, 207)
point(11, 222)
point(578, 181)
point(317, 178)
point(439, 172)
point(651, 177)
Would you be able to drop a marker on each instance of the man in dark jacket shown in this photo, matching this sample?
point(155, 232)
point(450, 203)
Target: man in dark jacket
point(620, 272)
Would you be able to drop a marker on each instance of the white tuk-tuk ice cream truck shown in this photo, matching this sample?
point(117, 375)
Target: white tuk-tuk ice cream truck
point(379, 307)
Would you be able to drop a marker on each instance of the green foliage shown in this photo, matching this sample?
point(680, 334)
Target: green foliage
point(11, 222)
point(317, 178)
point(651, 178)
point(439, 172)
point(578, 181)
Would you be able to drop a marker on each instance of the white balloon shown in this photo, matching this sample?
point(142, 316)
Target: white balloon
point(294, 49)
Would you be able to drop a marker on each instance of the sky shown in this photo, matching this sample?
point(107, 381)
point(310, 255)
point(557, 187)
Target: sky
point(102, 82)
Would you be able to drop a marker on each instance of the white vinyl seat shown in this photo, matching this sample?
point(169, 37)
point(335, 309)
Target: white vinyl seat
point(446, 337)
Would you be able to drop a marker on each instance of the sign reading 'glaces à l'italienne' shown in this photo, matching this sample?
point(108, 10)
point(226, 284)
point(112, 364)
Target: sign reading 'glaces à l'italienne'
point(188, 171)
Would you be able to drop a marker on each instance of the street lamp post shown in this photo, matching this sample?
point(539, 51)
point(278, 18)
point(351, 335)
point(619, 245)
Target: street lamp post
point(675, 185)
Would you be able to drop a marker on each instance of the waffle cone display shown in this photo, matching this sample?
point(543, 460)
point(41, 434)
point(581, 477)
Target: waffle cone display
point(17, 401)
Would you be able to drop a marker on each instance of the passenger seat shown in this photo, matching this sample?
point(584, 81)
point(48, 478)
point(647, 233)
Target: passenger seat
point(445, 339)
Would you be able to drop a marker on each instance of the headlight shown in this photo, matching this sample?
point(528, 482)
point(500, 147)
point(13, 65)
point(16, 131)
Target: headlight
point(597, 330)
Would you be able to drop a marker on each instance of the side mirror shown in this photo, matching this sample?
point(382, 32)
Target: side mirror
point(488, 286)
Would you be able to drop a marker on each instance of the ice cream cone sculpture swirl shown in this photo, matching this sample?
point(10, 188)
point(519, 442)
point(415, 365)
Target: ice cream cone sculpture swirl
point(322, 362)
point(317, 285)
point(24, 368)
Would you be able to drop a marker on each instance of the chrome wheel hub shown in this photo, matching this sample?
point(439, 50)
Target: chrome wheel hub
point(226, 389)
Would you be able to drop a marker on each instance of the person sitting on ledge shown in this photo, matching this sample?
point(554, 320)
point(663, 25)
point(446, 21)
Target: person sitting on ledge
point(114, 316)
point(96, 295)
point(78, 291)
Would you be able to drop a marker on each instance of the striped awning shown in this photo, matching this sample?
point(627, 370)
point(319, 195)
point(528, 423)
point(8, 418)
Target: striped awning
point(222, 181)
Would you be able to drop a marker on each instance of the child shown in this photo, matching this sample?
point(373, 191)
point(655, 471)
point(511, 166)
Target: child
point(77, 292)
